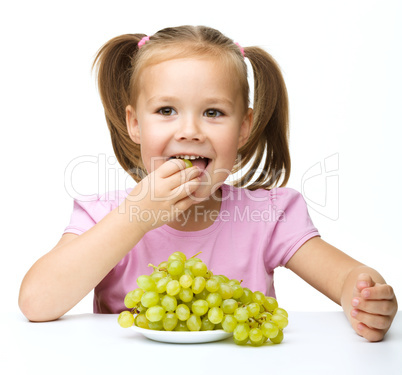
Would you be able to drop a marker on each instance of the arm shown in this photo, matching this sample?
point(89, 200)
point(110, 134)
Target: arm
point(368, 302)
point(62, 277)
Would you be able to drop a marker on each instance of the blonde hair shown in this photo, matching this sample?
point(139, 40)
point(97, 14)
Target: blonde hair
point(119, 63)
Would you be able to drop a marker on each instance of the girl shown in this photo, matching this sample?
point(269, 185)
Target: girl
point(183, 94)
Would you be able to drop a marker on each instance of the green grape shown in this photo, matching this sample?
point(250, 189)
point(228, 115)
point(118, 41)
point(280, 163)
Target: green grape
point(241, 314)
point(281, 311)
point(185, 281)
point(194, 322)
point(157, 275)
point(258, 297)
point(270, 304)
point(240, 342)
point(199, 307)
point(188, 272)
point(203, 295)
point(190, 262)
point(215, 315)
point(280, 320)
point(214, 299)
point(161, 284)
point(181, 326)
point(241, 331)
point(150, 299)
point(146, 283)
point(260, 342)
point(177, 255)
point(206, 324)
point(142, 321)
point(253, 309)
point(169, 303)
point(269, 329)
point(264, 316)
point(199, 269)
point(225, 290)
point(188, 163)
point(252, 323)
point(209, 274)
point(163, 266)
point(155, 313)
point(170, 321)
point(132, 298)
point(186, 295)
point(212, 285)
point(189, 304)
point(277, 339)
point(175, 267)
point(182, 312)
point(198, 284)
point(233, 282)
point(229, 306)
point(229, 323)
point(173, 287)
point(223, 278)
point(237, 291)
point(245, 299)
point(125, 319)
point(255, 335)
point(156, 326)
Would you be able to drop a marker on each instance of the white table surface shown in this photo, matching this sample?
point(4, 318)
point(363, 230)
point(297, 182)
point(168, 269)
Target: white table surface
point(315, 343)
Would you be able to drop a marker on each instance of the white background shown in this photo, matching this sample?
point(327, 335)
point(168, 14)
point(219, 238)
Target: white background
point(342, 64)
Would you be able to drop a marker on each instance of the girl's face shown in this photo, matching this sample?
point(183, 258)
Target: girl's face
point(190, 107)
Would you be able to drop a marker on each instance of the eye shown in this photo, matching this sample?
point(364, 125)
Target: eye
point(212, 113)
point(166, 111)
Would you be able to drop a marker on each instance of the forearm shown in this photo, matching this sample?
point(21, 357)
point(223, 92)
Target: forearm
point(61, 278)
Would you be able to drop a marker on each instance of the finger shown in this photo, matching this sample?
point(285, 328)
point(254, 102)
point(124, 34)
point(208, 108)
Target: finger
point(378, 292)
point(186, 189)
point(363, 281)
point(375, 321)
point(180, 178)
point(170, 167)
point(381, 307)
point(370, 334)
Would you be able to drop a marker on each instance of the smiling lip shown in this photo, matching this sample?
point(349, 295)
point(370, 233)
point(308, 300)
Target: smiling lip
point(197, 160)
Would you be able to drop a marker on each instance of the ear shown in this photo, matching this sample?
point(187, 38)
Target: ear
point(133, 127)
point(245, 128)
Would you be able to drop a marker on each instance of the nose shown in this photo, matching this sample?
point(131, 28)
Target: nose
point(190, 130)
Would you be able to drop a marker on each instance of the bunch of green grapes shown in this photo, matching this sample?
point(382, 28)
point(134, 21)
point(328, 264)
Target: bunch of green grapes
point(183, 295)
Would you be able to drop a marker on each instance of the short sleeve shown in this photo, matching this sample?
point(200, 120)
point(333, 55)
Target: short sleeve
point(81, 219)
point(89, 210)
point(293, 227)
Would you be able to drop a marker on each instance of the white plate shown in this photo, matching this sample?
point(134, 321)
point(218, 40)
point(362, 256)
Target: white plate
point(179, 337)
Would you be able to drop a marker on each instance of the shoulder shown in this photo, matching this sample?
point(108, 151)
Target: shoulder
point(279, 196)
point(97, 205)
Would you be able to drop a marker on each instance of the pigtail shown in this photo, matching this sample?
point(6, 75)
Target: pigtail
point(113, 65)
point(268, 140)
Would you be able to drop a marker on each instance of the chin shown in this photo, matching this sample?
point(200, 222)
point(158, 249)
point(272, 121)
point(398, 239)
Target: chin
point(204, 192)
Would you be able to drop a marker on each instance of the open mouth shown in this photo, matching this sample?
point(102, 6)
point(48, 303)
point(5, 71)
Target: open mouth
point(199, 161)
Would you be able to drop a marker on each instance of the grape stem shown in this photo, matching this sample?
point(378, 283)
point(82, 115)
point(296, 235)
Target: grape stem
point(196, 254)
point(156, 268)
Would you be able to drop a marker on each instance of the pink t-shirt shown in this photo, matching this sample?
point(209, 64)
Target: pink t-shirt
point(254, 232)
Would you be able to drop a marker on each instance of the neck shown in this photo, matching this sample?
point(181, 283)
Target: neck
point(199, 216)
